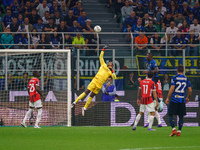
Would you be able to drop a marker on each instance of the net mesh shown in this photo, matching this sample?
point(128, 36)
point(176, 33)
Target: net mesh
point(15, 72)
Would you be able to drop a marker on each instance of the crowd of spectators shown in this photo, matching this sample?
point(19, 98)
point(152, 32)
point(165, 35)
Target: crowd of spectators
point(167, 16)
point(53, 16)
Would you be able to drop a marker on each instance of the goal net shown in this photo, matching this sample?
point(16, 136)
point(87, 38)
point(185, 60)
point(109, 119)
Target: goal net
point(16, 67)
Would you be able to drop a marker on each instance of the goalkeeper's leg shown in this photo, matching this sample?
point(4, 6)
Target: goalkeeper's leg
point(86, 92)
point(89, 100)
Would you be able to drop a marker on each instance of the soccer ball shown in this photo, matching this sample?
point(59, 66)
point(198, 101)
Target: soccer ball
point(97, 29)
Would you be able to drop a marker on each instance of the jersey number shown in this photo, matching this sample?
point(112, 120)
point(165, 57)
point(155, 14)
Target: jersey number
point(179, 85)
point(145, 89)
point(32, 87)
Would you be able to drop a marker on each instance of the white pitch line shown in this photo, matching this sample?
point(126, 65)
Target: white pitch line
point(188, 147)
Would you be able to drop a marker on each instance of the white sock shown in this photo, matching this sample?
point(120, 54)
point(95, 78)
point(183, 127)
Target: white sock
point(148, 114)
point(179, 131)
point(173, 129)
point(137, 119)
point(157, 117)
point(28, 114)
point(151, 118)
point(38, 116)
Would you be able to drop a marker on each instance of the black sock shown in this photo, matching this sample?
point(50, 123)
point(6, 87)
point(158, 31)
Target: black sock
point(172, 121)
point(180, 123)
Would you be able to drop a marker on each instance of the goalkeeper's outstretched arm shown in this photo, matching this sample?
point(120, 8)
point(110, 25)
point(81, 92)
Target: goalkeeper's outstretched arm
point(101, 55)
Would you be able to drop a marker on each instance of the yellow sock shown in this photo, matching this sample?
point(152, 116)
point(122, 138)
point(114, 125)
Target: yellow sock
point(80, 97)
point(88, 102)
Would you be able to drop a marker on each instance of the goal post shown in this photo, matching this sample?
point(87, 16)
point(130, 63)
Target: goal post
point(54, 66)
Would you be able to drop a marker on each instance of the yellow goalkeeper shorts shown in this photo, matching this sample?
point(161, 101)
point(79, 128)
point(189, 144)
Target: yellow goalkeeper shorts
point(95, 86)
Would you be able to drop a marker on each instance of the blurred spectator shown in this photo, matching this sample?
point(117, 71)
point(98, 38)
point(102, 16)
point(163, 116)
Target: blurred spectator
point(116, 98)
point(74, 28)
point(137, 28)
point(145, 20)
point(129, 22)
point(139, 10)
point(23, 84)
point(27, 27)
point(35, 38)
point(192, 40)
point(166, 22)
point(118, 4)
point(71, 3)
point(51, 27)
point(77, 10)
point(15, 7)
point(185, 10)
point(166, 82)
point(20, 20)
point(141, 44)
point(55, 41)
point(42, 41)
point(81, 84)
point(109, 3)
point(7, 19)
point(92, 39)
point(22, 40)
point(173, 8)
point(42, 8)
point(7, 2)
point(196, 9)
point(68, 40)
point(155, 44)
point(35, 3)
point(48, 84)
point(126, 11)
point(33, 17)
point(161, 10)
point(7, 38)
point(64, 9)
point(150, 9)
point(131, 82)
point(150, 28)
point(109, 91)
point(184, 28)
point(178, 42)
point(179, 20)
point(87, 28)
point(69, 19)
point(27, 9)
point(62, 28)
point(39, 26)
point(45, 19)
point(167, 39)
point(1, 18)
point(172, 29)
point(190, 18)
point(53, 8)
point(77, 40)
point(82, 19)
point(195, 27)
point(14, 26)
point(11, 83)
point(57, 18)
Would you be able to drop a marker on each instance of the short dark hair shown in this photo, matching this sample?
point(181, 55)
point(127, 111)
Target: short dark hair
point(150, 74)
point(151, 54)
point(35, 73)
point(25, 73)
point(116, 95)
point(180, 69)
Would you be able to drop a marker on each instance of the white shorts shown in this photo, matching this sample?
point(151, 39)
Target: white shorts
point(36, 104)
point(150, 107)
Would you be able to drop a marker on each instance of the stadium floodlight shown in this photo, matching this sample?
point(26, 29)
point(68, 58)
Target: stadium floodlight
point(54, 66)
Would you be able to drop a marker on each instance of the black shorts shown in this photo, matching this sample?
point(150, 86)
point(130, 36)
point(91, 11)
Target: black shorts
point(176, 109)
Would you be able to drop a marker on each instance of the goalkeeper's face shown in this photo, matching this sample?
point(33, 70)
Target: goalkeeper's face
point(110, 65)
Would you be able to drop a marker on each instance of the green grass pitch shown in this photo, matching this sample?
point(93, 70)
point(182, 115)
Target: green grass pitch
point(97, 138)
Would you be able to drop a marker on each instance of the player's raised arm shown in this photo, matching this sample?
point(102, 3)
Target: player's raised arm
point(101, 55)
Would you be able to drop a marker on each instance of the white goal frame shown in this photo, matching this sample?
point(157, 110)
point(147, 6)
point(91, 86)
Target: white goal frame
point(68, 51)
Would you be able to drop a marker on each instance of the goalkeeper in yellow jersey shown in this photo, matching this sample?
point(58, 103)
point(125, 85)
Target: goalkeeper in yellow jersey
point(105, 71)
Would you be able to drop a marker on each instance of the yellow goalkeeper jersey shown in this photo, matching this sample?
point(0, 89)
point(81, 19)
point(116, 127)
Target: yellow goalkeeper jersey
point(104, 72)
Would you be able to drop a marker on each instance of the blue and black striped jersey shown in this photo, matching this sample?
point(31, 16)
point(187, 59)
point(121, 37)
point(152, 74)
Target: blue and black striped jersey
point(151, 66)
point(180, 82)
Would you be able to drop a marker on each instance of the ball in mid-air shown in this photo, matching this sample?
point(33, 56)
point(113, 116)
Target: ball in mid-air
point(97, 29)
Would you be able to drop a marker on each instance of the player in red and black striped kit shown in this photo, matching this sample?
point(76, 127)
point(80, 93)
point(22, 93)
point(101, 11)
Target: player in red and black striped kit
point(145, 100)
point(34, 99)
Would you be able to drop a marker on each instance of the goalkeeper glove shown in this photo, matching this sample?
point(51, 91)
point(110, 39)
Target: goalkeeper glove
point(161, 104)
point(111, 70)
point(105, 47)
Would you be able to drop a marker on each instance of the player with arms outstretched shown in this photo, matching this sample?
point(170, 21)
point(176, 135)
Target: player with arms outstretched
point(105, 71)
point(34, 99)
point(152, 65)
point(145, 100)
point(178, 100)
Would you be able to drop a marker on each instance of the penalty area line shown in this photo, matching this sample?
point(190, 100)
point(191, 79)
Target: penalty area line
point(175, 147)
